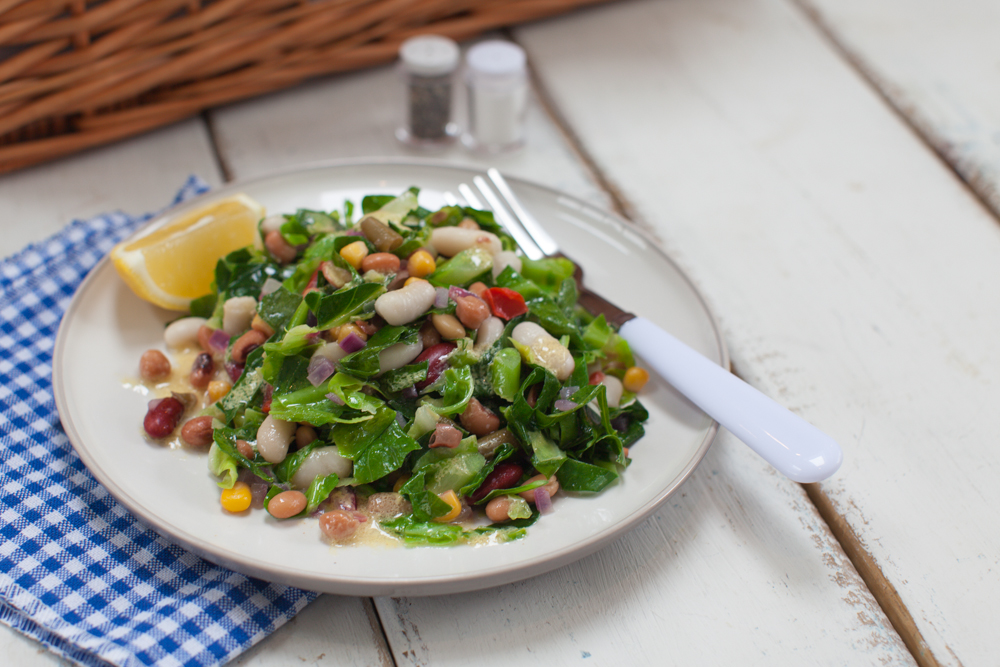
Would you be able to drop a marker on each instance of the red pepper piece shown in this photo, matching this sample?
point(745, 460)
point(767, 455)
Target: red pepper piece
point(311, 285)
point(505, 302)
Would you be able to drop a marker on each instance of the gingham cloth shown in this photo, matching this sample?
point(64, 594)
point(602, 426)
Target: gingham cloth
point(77, 571)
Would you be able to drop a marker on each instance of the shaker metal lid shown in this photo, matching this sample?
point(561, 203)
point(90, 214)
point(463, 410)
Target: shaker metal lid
point(429, 55)
point(496, 58)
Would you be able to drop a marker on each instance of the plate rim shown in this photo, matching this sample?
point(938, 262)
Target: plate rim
point(412, 585)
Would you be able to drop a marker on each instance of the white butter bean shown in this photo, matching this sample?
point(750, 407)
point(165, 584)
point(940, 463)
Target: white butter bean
point(545, 350)
point(321, 462)
point(407, 303)
point(398, 355)
point(488, 333)
point(272, 223)
point(449, 241)
point(237, 314)
point(613, 387)
point(183, 332)
point(331, 351)
point(273, 438)
point(504, 259)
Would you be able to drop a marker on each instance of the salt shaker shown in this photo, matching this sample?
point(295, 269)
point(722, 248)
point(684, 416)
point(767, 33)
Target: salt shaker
point(497, 82)
point(427, 65)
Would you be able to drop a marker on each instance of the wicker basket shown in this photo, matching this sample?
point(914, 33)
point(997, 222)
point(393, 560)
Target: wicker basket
point(82, 73)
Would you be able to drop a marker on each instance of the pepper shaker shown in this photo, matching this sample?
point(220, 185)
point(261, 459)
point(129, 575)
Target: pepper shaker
point(427, 65)
point(497, 82)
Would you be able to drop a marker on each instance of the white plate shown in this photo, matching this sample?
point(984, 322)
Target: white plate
point(106, 329)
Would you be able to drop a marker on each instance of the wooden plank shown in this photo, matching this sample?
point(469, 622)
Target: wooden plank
point(138, 175)
point(739, 552)
point(936, 64)
point(854, 275)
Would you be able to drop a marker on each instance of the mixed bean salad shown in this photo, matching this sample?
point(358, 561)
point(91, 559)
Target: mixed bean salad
point(408, 371)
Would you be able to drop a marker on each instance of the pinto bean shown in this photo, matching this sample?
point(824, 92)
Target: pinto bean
point(246, 344)
point(338, 525)
point(498, 508)
point(471, 311)
point(197, 432)
point(479, 420)
point(552, 487)
point(448, 326)
point(153, 365)
point(304, 435)
point(382, 262)
point(504, 476)
point(279, 248)
point(245, 449)
point(287, 504)
point(202, 370)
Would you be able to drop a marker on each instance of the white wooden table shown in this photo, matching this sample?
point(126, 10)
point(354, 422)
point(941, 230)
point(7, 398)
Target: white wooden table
point(801, 161)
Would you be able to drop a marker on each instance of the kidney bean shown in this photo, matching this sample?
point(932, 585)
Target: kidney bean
point(382, 262)
point(497, 510)
point(287, 504)
point(479, 420)
point(448, 326)
point(436, 362)
point(162, 419)
point(197, 432)
point(246, 344)
point(504, 476)
point(338, 525)
point(472, 311)
point(153, 365)
point(552, 487)
point(429, 336)
point(202, 370)
point(279, 248)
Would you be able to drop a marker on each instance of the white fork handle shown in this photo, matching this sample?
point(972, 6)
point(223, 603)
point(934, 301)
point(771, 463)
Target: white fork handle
point(792, 445)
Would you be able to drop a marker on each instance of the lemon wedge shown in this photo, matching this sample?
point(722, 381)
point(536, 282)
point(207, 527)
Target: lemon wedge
point(175, 263)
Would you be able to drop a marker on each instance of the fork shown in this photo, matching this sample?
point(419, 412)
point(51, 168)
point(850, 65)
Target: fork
point(793, 446)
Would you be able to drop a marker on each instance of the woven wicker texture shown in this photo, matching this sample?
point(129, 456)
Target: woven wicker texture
point(79, 74)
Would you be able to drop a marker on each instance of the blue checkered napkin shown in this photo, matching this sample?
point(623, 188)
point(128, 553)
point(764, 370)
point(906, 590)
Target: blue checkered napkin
point(77, 571)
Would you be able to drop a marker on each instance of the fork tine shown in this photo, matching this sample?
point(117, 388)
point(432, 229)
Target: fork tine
point(470, 196)
point(509, 221)
point(538, 234)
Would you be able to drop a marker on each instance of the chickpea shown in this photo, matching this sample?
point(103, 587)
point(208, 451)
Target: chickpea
point(448, 326)
point(153, 365)
point(472, 311)
point(382, 262)
point(279, 248)
point(479, 420)
point(498, 508)
point(197, 432)
point(552, 487)
point(338, 525)
point(478, 288)
point(287, 504)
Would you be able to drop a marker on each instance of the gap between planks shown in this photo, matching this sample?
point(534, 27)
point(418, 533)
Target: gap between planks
point(881, 588)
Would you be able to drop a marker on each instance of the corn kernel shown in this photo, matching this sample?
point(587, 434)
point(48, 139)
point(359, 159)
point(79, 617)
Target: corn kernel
point(420, 264)
point(217, 389)
point(348, 329)
point(237, 498)
point(453, 502)
point(403, 479)
point(413, 279)
point(354, 253)
point(635, 379)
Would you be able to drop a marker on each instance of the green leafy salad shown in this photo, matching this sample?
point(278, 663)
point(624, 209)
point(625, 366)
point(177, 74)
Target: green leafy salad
point(408, 372)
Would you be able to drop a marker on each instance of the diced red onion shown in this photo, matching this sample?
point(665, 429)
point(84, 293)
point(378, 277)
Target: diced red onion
point(234, 370)
point(354, 232)
point(620, 423)
point(153, 403)
point(360, 517)
point(543, 501)
point(270, 285)
point(409, 393)
point(336, 400)
point(401, 420)
point(456, 293)
point(566, 392)
point(320, 368)
point(445, 435)
point(314, 336)
point(352, 343)
point(562, 405)
point(441, 297)
point(219, 340)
